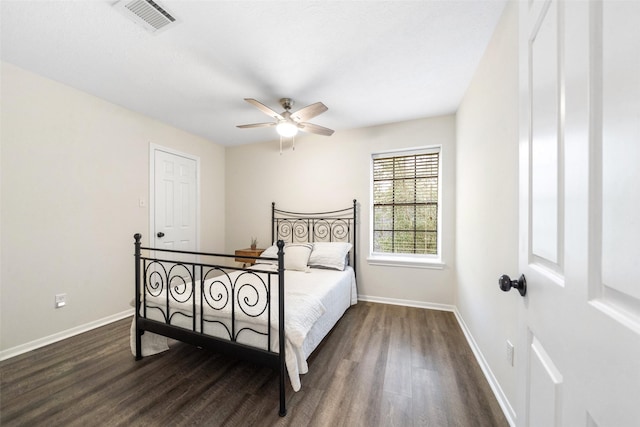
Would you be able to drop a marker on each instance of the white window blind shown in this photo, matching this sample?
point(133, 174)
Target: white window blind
point(405, 203)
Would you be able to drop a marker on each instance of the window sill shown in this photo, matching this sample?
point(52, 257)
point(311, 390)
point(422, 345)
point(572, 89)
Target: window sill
point(429, 263)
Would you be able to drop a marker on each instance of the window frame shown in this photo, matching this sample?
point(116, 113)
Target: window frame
point(406, 259)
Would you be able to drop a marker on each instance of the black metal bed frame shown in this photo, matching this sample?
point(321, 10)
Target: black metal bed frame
point(157, 274)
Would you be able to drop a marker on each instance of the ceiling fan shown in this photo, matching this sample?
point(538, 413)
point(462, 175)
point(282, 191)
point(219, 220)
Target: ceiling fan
point(287, 123)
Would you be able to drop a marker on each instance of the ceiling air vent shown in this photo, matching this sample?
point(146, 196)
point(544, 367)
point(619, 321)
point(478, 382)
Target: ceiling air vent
point(147, 13)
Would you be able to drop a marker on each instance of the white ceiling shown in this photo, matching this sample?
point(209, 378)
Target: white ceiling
point(370, 62)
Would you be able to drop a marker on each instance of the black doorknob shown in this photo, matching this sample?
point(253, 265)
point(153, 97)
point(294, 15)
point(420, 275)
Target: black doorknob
point(160, 234)
point(506, 284)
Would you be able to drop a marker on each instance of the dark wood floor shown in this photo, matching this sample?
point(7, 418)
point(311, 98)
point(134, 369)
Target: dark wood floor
point(382, 365)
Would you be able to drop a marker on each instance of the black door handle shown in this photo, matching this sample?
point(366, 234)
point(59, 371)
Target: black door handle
point(506, 284)
point(160, 234)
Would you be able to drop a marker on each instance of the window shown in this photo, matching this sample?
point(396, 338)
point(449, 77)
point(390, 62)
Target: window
point(405, 205)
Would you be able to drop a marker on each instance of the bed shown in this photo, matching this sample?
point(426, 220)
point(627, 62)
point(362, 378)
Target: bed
point(307, 278)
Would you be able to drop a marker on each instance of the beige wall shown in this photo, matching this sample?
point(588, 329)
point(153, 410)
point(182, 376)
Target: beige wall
point(73, 169)
point(325, 173)
point(487, 200)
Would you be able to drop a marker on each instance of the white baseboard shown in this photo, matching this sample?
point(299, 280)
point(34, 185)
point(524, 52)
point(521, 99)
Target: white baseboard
point(407, 303)
point(507, 409)
point(41, 342)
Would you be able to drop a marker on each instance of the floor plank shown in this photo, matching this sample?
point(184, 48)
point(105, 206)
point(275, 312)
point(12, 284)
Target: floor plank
point(381, 365)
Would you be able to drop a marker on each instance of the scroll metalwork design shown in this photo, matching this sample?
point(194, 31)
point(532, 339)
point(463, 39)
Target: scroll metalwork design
point(155, 282)
point(180, 282)
point(252, 298)
point(313, 230)
point(306, 227)
point(322, 230)
point(177, 281)
point(216, 295)
point(301, 230)
point(331, 230)
point(216, 289)
point(234, 296)
point(285, 231)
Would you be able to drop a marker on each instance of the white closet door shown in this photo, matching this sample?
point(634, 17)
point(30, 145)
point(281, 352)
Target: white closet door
point(174, 218)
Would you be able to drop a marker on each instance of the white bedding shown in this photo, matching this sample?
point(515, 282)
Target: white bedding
point(314, 301)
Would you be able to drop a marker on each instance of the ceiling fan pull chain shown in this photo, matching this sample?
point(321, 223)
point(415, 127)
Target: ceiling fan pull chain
point(281, 145)
point(293, 143)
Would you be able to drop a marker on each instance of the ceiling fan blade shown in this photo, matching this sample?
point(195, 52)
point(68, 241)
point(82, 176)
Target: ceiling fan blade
point(257, 125)
point(268, 111)
point(319, 130)
point(309, 112)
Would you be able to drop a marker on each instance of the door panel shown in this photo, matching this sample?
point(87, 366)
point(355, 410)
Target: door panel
point(545, 387)
point(618, 34)
point(545, 145)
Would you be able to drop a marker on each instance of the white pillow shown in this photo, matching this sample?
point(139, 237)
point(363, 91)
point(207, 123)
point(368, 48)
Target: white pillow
point(270, 252)
point(296, 256)
point(329, 255)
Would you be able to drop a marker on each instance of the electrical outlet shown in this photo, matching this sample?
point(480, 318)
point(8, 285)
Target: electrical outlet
point(509, 353)
point(61, 300)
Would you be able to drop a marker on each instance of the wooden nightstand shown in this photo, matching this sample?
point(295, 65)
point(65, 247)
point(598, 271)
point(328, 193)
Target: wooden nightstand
point(247, 252)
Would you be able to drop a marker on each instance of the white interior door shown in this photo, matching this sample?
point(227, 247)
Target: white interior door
point(578, 354)
point(175, 204)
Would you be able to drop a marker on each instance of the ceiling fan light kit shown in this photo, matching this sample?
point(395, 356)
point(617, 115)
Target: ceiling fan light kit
point(287, 123)
point(286, 129)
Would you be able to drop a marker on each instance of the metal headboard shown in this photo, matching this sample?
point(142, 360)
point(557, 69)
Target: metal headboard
point(303, 227)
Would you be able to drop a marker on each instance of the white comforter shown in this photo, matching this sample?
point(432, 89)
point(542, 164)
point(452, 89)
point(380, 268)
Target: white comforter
point(306, 297)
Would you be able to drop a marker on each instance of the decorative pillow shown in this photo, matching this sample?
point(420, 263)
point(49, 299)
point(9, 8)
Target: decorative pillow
point(329, 255)
point(296, 256)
